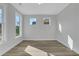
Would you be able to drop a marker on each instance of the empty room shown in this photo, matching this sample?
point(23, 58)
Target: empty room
point(39, 29)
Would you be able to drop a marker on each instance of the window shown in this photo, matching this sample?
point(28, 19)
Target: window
point(18, 25)
point(1, 23)
point(32, 21)
point(46, 20)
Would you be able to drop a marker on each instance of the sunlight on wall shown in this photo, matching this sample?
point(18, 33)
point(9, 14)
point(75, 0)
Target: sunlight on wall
point(70, 42)
point(60, 28)
point(35, 52)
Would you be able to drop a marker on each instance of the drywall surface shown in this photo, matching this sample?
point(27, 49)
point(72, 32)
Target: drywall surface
point(10, 39)
point(69, 21)
point(40, 31)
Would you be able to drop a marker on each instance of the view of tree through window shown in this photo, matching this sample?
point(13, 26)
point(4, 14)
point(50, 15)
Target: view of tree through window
point(17, 25)
point(46, 20)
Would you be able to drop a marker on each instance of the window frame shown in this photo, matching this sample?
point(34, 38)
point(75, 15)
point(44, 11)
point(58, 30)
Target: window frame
point(20, 26)
point(2, 29)
point(30, 20)
point(49, 19)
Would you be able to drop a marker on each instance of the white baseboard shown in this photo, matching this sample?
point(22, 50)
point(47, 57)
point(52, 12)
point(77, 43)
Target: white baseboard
point(77, 51)
point(39, 39)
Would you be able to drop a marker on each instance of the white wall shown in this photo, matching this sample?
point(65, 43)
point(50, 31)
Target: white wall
point(10, 39)
point(39, 31)
point(69, 20)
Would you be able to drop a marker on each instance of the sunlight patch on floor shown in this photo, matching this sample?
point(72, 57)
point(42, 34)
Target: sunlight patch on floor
point(50, 54)
point(35, 51)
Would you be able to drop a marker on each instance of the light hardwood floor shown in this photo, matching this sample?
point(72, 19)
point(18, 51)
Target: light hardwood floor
point(52, 47)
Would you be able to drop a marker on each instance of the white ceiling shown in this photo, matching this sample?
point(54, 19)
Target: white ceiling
point(42, 9)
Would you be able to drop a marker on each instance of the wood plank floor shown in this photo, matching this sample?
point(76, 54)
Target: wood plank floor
point(51, 47)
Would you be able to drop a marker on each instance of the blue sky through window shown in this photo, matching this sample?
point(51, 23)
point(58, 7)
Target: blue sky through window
point(0, 15)
point(17, 20)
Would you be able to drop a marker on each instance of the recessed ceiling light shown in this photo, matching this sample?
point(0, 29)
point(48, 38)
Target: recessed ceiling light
point(40, 3)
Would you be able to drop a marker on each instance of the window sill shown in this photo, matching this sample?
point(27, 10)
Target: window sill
point(18, 37)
